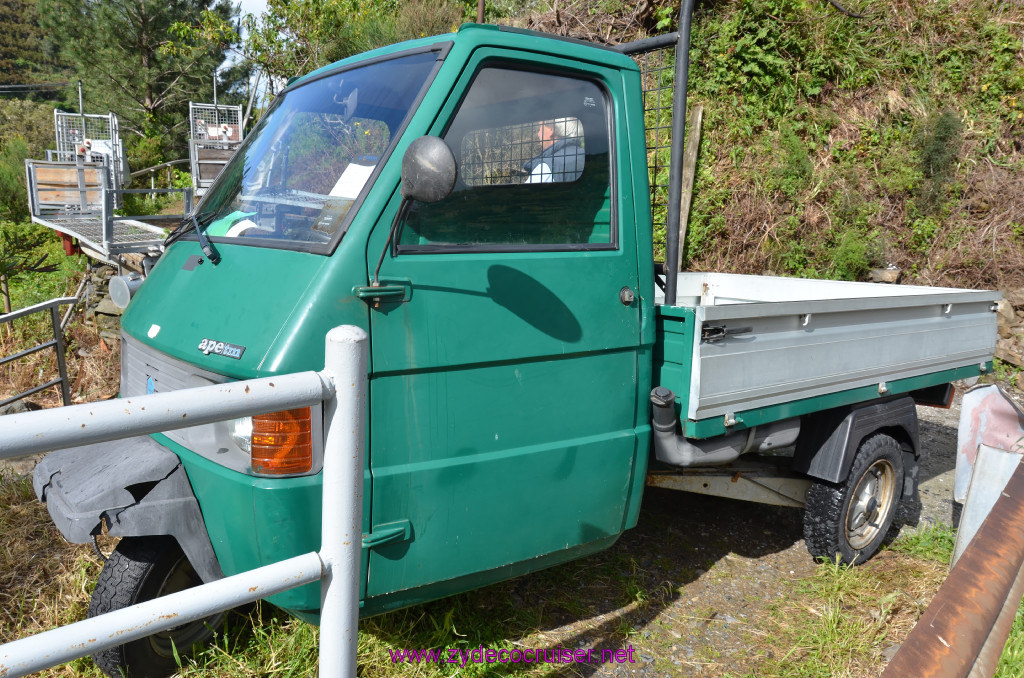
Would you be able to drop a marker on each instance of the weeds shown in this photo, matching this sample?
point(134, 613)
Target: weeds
point(795, 170)
point(933, 543)
point(93, 363)
point(841, 618)
point(1011, 663)
point(939, 141)
point(825, 133)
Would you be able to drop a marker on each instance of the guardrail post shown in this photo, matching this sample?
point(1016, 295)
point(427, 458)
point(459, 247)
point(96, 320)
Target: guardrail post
point(342, 523)
point(107, 195)
point(58, 346)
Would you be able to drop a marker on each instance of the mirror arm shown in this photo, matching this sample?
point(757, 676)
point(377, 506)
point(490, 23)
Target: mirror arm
point(403, 210)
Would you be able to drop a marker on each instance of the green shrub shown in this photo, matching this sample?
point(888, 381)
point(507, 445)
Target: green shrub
point(13, 193)
point(938, 140)
point(794, 171)
point(852, 255)
point(30, 121)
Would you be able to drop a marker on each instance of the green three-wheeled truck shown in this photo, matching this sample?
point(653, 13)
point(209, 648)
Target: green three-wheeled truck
point(530, 370)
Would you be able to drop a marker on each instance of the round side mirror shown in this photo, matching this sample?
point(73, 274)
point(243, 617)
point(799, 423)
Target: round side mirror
point(428, 170)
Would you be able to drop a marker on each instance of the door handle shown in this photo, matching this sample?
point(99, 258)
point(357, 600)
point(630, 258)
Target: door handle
point(389, 533)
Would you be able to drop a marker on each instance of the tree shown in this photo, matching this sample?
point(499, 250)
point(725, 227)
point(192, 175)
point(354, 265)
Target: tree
point(143, 59)
point(13, 203)
point(25, 130)
point(18, 256)
point(294, 37)
point(23, 59)
point(29, 120)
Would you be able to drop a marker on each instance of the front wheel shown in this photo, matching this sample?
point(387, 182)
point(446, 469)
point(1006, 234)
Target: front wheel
point(140, 569)
point(850, 521)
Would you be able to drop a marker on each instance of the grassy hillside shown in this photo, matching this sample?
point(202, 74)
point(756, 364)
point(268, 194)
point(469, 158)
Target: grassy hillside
point(833, 144)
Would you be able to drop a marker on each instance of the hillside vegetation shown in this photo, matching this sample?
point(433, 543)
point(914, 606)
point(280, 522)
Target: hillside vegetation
point(832, 144)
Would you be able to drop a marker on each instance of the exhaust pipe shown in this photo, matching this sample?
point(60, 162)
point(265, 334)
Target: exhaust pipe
point(671, 447)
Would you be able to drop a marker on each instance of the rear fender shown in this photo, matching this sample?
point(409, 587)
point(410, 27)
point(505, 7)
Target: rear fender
point(136, 485)
point(829, 440)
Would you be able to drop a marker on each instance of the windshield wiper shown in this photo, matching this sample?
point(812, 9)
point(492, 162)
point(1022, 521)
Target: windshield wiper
point(192, 222)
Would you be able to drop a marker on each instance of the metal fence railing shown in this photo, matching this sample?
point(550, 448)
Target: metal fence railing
point(57, 344)
point(151, 172)
point(341, 386)
point(78, 200)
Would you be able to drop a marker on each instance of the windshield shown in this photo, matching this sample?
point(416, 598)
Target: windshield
point(293, 181)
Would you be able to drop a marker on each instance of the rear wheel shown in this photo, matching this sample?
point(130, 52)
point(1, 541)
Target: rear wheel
point(140, 569)
point(850, 521)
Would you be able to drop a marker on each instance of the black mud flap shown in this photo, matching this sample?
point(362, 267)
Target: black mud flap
point(137, 485)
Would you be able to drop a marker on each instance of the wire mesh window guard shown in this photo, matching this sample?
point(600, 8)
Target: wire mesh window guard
point(534, 168)
point(96, 138)
point(657, 69)
point(501, 155)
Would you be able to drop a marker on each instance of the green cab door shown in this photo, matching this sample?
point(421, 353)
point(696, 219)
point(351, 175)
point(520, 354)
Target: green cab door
point(503, 392)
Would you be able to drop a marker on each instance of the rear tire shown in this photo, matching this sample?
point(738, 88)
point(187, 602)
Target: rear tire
point(140, 569)
point(850, 521)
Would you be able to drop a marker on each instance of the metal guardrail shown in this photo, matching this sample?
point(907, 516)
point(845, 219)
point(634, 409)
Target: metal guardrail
point(57, 343)
point(341, 386)
point(156, 168)
point(964, 629)
point(152, 171)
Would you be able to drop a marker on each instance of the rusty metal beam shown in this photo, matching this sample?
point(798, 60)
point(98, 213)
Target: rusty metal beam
point(961, 621)
point(988, 658)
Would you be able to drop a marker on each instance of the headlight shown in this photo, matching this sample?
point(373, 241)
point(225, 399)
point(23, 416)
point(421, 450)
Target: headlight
point(241, 433)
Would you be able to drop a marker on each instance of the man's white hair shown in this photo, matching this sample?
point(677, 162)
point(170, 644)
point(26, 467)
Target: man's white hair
point(567, 128)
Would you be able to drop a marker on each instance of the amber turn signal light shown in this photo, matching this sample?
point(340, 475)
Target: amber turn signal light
point(282, 442)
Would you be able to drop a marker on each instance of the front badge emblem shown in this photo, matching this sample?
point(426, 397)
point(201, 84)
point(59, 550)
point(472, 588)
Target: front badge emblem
point(208, 346)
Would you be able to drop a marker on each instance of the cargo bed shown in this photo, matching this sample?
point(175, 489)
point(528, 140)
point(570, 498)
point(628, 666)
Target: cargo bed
point(75, 199)
point(778, 347)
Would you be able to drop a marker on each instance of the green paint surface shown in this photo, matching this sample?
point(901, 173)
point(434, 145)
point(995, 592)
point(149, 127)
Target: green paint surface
point(507, 396)
point(256, 521)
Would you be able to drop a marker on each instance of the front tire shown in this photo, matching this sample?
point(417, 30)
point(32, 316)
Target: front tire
point(850, 521)
point(140, 569)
